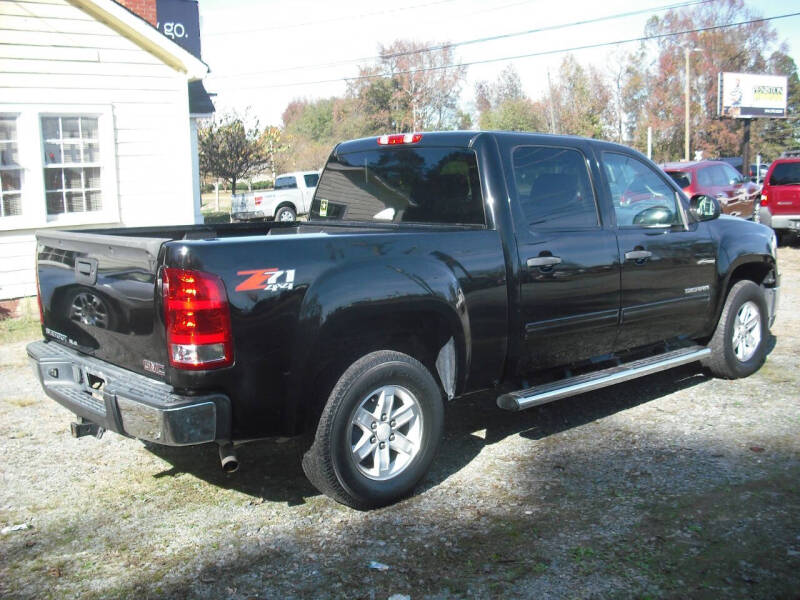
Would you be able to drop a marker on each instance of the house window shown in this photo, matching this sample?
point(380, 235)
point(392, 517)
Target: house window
point(71, 164)
point(10, 169)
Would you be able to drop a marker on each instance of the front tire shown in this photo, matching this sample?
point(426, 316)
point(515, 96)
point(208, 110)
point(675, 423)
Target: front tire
point(378, 432)
point(738, 346)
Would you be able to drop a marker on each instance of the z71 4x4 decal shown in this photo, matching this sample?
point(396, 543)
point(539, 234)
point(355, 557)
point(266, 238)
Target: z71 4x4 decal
point(271, 280)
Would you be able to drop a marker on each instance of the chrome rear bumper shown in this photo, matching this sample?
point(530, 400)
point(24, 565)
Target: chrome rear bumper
point(126, 402)
point(788, 222)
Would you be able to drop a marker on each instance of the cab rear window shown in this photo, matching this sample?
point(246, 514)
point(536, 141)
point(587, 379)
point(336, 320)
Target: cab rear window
point(285, 183)
point(787, 173)
point(401, 185)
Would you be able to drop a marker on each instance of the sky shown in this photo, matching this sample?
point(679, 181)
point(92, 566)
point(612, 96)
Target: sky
point(265, 53)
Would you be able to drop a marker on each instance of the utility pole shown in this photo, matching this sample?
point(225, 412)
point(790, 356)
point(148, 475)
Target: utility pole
point(687, 132)
point(746, 148)
point(686, 108)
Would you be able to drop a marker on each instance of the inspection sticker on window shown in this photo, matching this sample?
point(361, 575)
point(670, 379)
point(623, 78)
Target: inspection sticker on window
point(323, 207)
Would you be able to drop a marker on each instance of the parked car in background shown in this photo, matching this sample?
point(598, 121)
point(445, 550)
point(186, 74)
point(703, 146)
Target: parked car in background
point(780, 197)
point(736, 194)
point(291, 197)
point(758, 172)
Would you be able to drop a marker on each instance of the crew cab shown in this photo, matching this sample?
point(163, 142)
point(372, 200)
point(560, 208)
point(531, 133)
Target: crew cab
point(433, 265)
point(291, 197)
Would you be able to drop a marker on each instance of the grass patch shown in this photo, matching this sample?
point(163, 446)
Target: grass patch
point(731, 539)
point(19, 330)
point(22, 402)
point(209, 202)
point(775, 373)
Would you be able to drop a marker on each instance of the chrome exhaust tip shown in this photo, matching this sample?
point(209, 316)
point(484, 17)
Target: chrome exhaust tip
point(228, 459)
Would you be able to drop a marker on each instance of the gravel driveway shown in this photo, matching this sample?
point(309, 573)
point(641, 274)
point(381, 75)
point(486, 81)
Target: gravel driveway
point(676, 485)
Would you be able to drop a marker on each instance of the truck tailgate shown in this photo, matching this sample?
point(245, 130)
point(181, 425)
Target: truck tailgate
point(98, 295)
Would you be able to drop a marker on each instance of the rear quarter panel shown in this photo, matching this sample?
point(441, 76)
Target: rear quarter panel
point(324, 285)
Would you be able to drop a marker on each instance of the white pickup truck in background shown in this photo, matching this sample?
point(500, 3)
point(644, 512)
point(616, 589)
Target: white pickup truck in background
point(291, 197)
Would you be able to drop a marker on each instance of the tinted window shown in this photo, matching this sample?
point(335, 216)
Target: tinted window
point(641, 198)
point(285, 183)
point(787, 173)
point(553, 188)
point(311, 180)
point(682, 178)
point(705, 177)
point(410, 185)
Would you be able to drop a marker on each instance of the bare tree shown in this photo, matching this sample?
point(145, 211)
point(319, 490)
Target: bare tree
point(427, 80)
point(231, 150)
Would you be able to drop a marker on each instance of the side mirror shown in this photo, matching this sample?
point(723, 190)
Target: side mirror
point(704, 208)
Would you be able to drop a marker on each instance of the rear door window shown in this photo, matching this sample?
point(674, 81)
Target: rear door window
point(401, 185)
point(705, 177)
point(311, 180)
point(553, 188)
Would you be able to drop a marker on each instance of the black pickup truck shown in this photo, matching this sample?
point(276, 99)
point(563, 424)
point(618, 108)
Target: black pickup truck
point(433, 265)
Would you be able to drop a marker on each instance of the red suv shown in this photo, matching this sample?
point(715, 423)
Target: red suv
point(736, 194)
point(780, 197)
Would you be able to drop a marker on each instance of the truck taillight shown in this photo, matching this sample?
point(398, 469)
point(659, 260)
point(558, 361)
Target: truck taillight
point(399, 138)
point(763, 199)
point(197, 319)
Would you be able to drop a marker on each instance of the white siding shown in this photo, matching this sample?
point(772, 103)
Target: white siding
point(54, 58)
point(17, 253)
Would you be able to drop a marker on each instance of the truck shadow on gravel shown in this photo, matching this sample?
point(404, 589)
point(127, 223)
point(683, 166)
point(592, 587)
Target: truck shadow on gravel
point(272, 471)
point(476, 422)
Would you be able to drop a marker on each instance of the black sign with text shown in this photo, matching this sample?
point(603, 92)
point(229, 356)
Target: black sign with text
point(179, 20)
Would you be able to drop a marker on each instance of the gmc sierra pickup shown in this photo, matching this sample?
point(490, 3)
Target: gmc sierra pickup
point(433, 265)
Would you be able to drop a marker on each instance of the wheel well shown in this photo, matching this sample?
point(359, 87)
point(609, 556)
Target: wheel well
point(756, 272)
point(419, 334)
point(289, 204)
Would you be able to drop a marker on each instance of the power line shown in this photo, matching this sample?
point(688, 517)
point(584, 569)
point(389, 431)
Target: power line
point(476, 40)
point(530, 55)
point(344, 17)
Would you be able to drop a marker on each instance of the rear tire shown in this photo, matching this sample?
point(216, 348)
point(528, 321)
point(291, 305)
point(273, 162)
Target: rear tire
point(738, 346)
point(378, 432)
point(285, 214)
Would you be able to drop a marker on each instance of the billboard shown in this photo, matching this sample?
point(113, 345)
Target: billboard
point(179, 20)
point(746, 96)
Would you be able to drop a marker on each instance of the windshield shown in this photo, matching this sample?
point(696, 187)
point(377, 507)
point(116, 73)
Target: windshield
point(785, 174)
point(409, 185)
point(682, 178)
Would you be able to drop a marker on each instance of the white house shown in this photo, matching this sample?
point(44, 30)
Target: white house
point(95, 125)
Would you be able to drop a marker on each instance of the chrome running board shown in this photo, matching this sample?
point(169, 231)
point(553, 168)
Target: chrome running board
point(548, 392)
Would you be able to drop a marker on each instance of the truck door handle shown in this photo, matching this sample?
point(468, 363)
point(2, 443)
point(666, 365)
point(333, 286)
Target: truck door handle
point(544, 261)
point(638, 255)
